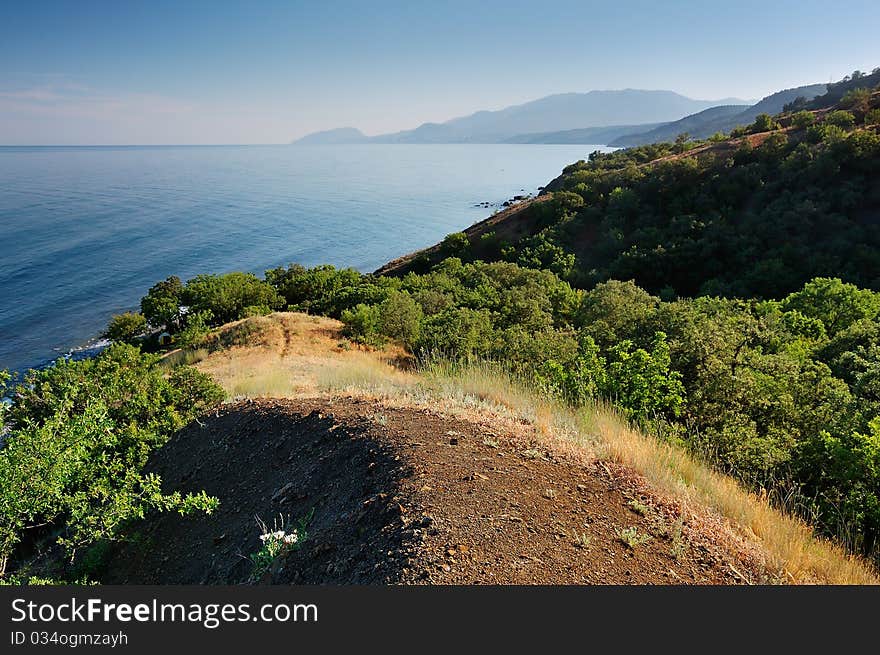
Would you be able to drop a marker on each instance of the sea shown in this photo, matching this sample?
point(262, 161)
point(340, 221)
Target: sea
point(85, 231)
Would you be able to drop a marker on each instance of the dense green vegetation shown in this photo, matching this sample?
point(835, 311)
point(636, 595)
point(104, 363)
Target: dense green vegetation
point(75, 443)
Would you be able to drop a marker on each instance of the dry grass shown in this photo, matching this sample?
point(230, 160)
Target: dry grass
point(293, 355)
point(788, 541)
point(290, 355)
point(600, 431)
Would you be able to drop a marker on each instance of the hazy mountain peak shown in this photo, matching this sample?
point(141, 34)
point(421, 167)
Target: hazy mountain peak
point(334, 136)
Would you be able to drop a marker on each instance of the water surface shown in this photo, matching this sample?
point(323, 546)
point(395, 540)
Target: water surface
point(87, 230)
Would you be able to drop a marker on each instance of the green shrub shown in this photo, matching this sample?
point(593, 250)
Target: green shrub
point(362, 324)
point(126, 327)
point(197, 327)
point(578, 381)
point(763, 123)
point(322, 289)
point(839, 118)
point(399, 318)
point(227, 296)
point(161, 305)
point(836, 304)
point(457, 334)
point(842, 474)
point(802, 119)
point(455, 244)
point(79, 435)
point(643, 382)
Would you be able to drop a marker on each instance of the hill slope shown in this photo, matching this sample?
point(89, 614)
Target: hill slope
point(748, 216)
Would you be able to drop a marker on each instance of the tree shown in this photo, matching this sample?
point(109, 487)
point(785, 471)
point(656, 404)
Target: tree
point(681, 142)
point(362, 324)
point(642, 381)
point(764, 123)
point(802, 119)
point(857, 100)
point(227, 296)
point(455, 244)
point(400, 318)
point(124, 328)
point(836, 304)
point(839, 118)
point(842, 474)
point(79, 436)
point(161, 305)
point(577, 382)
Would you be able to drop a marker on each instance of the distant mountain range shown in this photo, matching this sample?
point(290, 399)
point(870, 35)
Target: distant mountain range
point(631, 108)
point(718, 119)
point(616, 118)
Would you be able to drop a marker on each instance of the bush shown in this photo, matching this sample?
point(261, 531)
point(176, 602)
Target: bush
point(198, 326)
point(842, 119)
point(763, 123)
point(643, 382)
point(802, 119)
point(79, 435)
point(578, 381)
point(161, 305)
point(362, 324)
point(399, 318)
point(124, 328)
point(455, 244)
point(457, 334)
point(872, 117)
point(227, 296)
point(320, 289)
point(836, 304)
point(857, 100)
point(843, 474)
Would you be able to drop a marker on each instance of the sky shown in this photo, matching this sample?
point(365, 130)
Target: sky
point(157, 72)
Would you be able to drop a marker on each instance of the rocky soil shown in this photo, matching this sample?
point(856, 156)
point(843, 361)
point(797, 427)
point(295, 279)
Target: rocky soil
point(402, 496)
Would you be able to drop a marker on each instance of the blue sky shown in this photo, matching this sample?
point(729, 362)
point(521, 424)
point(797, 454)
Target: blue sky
point(267, 72)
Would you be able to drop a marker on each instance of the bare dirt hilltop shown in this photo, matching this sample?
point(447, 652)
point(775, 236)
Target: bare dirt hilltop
point(403, 495)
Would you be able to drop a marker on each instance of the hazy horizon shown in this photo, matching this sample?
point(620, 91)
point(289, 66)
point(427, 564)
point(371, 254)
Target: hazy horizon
point(228, 73)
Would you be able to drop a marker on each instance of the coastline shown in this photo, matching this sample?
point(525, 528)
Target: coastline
point(509, 208)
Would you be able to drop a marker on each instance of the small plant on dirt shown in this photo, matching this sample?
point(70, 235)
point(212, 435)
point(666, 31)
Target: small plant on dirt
point(531, 453)
point(379, 419)
point(280, 540)
point(631, 537)
point(639, 507)
point(678, 547)
point(582, 540)
point(490, 442)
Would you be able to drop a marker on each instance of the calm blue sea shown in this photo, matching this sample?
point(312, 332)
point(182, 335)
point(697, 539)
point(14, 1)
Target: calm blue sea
point(86, 230)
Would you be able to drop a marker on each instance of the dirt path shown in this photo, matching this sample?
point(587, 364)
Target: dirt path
point(406, 496)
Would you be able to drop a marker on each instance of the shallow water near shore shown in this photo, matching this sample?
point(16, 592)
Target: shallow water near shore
point(87, 230)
